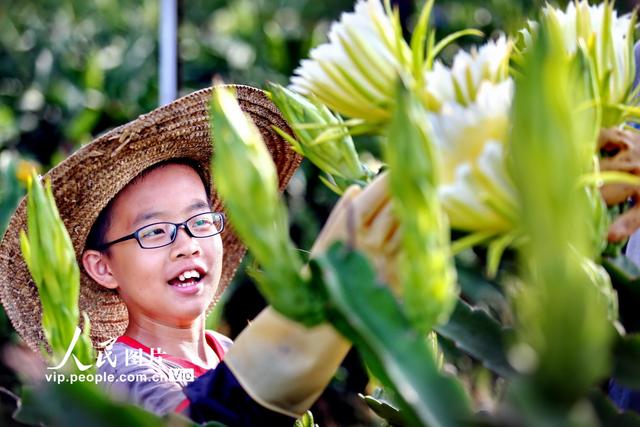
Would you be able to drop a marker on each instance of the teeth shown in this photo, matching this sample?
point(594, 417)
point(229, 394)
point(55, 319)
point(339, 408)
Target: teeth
point(184, 285)
point(191, 274)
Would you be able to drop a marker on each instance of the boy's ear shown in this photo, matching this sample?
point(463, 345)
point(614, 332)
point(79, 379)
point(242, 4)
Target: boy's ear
point(97, 266)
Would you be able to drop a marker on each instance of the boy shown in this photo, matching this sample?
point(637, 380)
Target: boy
point(150, 235)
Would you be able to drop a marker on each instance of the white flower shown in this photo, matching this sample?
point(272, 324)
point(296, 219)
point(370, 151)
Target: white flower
point(470, 131)
point(356, 71)
point(608, 41)
point(475, 187)
point(461, 82)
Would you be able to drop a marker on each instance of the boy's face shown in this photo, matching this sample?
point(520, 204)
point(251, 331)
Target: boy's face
point(147, 279)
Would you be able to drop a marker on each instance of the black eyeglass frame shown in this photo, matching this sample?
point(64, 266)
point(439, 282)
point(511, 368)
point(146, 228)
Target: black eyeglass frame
point(178, 225)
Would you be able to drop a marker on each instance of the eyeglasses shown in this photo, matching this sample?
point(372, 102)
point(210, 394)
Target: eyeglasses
point(161, 234)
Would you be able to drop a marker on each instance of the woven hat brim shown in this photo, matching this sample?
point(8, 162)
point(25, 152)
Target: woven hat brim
point(85, 182)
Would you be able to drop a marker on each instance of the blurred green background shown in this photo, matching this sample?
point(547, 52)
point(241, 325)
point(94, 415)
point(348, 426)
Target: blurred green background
point(70, 70)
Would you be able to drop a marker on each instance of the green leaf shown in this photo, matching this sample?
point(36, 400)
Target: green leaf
point(626, 353)
point(367, 313)
point(625, 277)
point(609, 414)
point(79, 128)
point(623, 272)
point(93, 72)
point(8, 125)
point(384, 409)
point(479, 335)
point(84, 404)
point(480, 291)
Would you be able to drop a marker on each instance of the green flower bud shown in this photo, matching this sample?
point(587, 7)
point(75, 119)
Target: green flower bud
point(321, 136)
point(50, 258)
point(426, 265)
point(247, 181)
point(551, 127)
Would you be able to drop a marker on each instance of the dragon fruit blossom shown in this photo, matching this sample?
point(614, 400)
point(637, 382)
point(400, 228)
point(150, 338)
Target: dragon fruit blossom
point(470, 132)
point(607, 39)
point(356, 71)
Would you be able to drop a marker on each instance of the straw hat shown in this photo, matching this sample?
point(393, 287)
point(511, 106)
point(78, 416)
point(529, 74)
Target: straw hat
point(85, 182)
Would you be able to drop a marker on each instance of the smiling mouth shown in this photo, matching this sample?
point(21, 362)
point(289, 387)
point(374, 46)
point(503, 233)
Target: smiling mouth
point(187, 279)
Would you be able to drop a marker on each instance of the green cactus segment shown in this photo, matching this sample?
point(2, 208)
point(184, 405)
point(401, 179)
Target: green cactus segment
point(626, 278)
point(479, 335)
point(366, 312)
point(482, 292)
point(426, 268)
point(85, 403)
point(627, 353)
point(625, 273)
point(321, 137)
point(49, 255)
point(609, 414)
point(380, 404)
point(246, 180)
point(563, 327)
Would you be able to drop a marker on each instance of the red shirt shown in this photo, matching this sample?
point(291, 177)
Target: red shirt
point(198, 370)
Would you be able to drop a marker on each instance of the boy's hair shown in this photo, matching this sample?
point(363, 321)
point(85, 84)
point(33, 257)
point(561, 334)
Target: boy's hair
point(98, 233)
